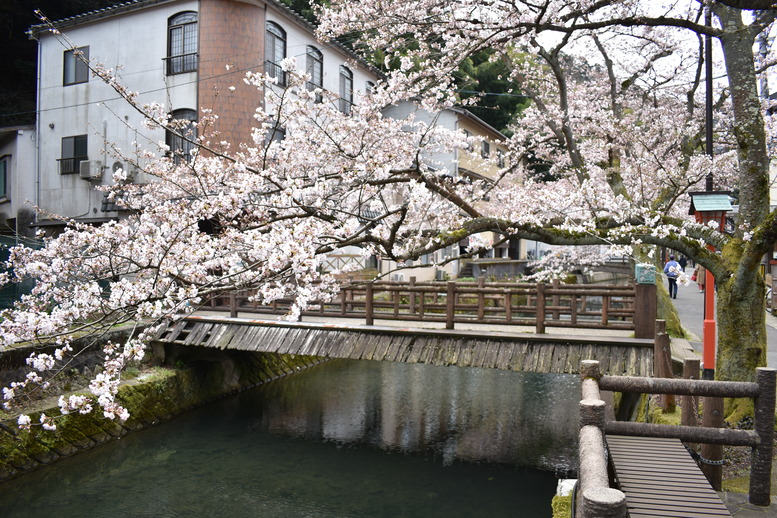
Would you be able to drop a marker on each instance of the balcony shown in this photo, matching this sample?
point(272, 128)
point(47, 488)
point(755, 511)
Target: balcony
point(71, 165)
point(181, 63)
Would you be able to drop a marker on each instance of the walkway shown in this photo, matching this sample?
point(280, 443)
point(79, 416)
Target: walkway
point(690, 307)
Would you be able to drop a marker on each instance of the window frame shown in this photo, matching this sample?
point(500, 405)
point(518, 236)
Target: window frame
point(181, 149)
point(5, 169)
point(70, 161)
point(275, 40)
point(314, 62)
point(346, 90)
point(75, 70)
point(182, 58)
point(485, 149)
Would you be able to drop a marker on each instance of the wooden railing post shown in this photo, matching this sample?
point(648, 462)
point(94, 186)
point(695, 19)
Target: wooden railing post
point(690, 404)
point(508, 306)
point(368, 305)
point(411, 298)
point(540, 311)
point(481, 298)
point(233, 304)
point(450, 305)
point(761, 463)
point(662, 362)
point(555, 300)
point(645, 310)
point(712, 454)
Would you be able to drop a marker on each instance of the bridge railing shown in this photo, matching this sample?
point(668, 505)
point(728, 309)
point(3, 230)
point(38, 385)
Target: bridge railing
point(527, 304)
point(592, 418)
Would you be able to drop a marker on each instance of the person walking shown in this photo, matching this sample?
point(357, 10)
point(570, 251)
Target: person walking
point(701, 276)
point(672, 269)
point(683, 262)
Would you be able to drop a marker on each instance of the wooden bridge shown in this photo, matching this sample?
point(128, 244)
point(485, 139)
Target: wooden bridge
point(539, 306)
point(524, 352)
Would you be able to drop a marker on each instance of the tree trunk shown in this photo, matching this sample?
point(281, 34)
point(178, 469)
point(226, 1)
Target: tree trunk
point(741, 315)
point(741, 308)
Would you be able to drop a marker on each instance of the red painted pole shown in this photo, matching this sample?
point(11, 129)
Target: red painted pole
point(709, 329)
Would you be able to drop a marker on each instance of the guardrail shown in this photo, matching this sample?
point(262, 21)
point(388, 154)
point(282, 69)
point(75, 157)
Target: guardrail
point(627, 307)
point(594, 487)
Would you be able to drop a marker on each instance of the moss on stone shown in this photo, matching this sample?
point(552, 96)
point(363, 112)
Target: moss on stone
point(659, 416)
point(562, 506)
point(737, 410)
point(155, 395)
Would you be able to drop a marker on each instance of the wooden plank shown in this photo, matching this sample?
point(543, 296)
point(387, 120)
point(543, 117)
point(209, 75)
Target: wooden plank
point(493, 353)
point(660, 479)
point(519, 357)
point(559, 360)
point(505, 356)
point(479, 353)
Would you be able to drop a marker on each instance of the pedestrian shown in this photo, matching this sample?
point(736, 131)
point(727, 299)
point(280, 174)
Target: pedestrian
point(700, 276)
point(672, 269)
point(683, 262)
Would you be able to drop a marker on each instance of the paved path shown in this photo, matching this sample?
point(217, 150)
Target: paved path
point(690, 307)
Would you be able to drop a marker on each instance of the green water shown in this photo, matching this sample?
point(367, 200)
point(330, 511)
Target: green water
point(343, 439)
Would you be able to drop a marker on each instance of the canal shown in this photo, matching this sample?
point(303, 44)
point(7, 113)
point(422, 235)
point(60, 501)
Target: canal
point(345, 438)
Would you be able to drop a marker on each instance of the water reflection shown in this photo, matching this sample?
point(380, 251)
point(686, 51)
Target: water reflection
point(343, 439)
point(464, 414)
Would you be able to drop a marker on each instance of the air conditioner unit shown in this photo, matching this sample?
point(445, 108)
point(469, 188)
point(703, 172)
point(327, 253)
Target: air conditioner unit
point(91, 170)
point(397, 277)
point(440, 275)
point(129, 168)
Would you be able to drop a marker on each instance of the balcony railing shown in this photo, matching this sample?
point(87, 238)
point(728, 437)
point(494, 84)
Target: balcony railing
point(181, 63)
point(71, 165)
point(274, 70)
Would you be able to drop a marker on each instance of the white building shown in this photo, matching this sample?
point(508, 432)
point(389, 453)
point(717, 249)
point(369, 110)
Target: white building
point(185, 54)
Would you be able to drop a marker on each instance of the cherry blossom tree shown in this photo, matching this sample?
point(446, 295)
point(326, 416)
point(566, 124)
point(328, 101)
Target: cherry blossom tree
point(616, 111)
point(614, 118)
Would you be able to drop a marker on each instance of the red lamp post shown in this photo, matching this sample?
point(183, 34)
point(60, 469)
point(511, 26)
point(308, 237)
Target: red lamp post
point(709, 206)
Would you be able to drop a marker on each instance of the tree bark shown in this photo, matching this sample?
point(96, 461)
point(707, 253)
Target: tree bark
point(740, 297)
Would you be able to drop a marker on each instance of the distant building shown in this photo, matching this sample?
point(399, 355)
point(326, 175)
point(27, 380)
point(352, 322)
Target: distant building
point(17, 180)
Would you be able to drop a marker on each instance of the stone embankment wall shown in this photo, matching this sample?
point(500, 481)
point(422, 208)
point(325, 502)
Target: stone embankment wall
point(156, 395)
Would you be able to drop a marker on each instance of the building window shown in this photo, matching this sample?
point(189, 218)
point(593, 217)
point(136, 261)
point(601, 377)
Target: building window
point(275, 52)
point(314, 67)
point(75, 67)
point(275, 134)
point(500, 158)
point(73, 153)
point(5, 166)
point(485, 149)
point(346, 89)
point(369, 87)
point(182, 43)
point(181, 135)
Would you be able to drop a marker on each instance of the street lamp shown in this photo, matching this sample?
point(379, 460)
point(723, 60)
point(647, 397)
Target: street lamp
point(709, 206)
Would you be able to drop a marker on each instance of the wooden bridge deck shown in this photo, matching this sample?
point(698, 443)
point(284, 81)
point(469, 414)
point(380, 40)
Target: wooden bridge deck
point(499, 350)
point(660, 479)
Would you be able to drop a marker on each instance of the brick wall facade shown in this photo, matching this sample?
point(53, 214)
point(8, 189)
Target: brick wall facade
point(231, 33)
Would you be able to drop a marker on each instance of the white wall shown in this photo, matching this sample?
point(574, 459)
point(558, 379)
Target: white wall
point(135, 44)
point(299, 37)
point(446, 119)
